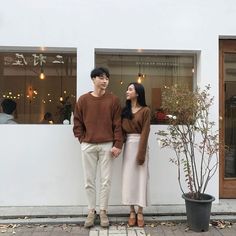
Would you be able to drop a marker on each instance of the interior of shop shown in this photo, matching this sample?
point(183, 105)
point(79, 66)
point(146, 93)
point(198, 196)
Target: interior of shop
point(42, 82)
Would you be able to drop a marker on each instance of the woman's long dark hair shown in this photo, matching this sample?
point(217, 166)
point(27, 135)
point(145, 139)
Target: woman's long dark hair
point(139, 89)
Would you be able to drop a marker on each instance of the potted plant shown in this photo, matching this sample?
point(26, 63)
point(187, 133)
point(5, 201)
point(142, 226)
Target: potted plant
point(192, 137)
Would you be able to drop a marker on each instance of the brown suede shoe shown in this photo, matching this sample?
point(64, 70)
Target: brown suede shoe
point(90, 219)
point(140, 219)
point(132, 219)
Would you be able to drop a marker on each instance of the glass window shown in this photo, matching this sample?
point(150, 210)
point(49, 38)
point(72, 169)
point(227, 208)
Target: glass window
point(41, 81)
point(230, 113)
point(154, 71)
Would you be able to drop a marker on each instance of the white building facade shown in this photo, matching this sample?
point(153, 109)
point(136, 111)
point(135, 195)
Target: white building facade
point(41, 164)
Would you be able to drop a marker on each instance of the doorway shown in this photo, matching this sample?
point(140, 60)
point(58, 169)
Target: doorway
point(227, 97)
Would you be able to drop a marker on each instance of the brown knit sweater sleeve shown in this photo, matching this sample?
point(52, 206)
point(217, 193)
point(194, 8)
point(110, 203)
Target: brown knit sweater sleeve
point(144, 136)
point(78, 128)
point(116, 124)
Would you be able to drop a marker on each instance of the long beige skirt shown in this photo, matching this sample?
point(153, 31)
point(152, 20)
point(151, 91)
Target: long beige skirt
point(135, 178)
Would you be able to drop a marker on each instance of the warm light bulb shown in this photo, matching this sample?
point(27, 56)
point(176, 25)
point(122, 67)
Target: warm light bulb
point(121, 82)
point(42, 76)
point(61, 99)
point(139, 80)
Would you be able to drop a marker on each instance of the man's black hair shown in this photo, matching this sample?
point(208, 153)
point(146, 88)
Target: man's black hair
point(8, 106)
point(99, 71)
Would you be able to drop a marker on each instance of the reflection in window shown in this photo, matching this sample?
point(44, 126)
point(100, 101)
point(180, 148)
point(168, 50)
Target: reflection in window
point(42, 82)
point(230, 114)
point(154, 71)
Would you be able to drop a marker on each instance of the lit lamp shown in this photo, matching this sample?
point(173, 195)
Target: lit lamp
point(139, 78)
point(40, 59)
point(121, 71)
point(42, 75)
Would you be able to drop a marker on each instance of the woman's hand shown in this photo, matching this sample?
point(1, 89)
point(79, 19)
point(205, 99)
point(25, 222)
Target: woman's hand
point(115, 152)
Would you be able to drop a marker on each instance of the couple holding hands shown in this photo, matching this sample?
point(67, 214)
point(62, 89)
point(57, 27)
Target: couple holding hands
point(102, 127)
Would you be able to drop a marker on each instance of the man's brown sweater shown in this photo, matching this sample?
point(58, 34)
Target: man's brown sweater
point(98, 119)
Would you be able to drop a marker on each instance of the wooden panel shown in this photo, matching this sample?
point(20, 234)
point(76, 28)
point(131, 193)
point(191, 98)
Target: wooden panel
point(227, 185)
point(156, 98)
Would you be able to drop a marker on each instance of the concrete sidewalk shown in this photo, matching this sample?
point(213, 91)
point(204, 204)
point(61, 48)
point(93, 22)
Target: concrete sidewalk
point(155, 226)
point(162, 229)
point(165, 220)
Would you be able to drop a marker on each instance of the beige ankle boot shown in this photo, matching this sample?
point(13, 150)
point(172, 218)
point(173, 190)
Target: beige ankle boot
point(104, 221)
point(90, 219)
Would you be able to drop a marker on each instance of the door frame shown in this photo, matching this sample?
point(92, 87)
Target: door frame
point(227, 185)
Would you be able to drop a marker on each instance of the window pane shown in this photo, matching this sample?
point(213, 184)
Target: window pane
point(43, 83)
point(153, 71)
point(230, 114)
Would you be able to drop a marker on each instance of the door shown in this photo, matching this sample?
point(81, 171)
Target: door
point(228, 118)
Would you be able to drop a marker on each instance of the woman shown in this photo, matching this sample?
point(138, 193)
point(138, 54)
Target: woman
point(136, 127)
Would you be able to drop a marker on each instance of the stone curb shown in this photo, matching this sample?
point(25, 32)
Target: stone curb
point(113, 219)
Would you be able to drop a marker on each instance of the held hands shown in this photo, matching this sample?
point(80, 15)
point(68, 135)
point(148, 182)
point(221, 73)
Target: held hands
point(115, 152)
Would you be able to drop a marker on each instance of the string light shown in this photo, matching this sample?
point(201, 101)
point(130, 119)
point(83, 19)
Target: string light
point(139, 73)
point(42, 75)
point(139, 79)
point(121, 72)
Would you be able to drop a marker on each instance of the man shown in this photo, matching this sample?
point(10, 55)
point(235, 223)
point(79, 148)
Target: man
point(97, 125)
point(8, 108)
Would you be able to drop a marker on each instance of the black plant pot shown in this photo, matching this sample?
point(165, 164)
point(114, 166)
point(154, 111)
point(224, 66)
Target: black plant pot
point(198, 212)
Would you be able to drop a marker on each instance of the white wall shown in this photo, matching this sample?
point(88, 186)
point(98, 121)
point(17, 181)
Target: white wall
point(41, 165)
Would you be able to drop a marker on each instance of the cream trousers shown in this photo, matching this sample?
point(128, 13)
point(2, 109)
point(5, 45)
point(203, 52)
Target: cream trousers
point(94, 155)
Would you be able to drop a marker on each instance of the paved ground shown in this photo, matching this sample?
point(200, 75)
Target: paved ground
point(153, 229)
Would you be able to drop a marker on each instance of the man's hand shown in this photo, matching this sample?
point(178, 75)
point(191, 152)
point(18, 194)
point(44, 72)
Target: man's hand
point(115, 152)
